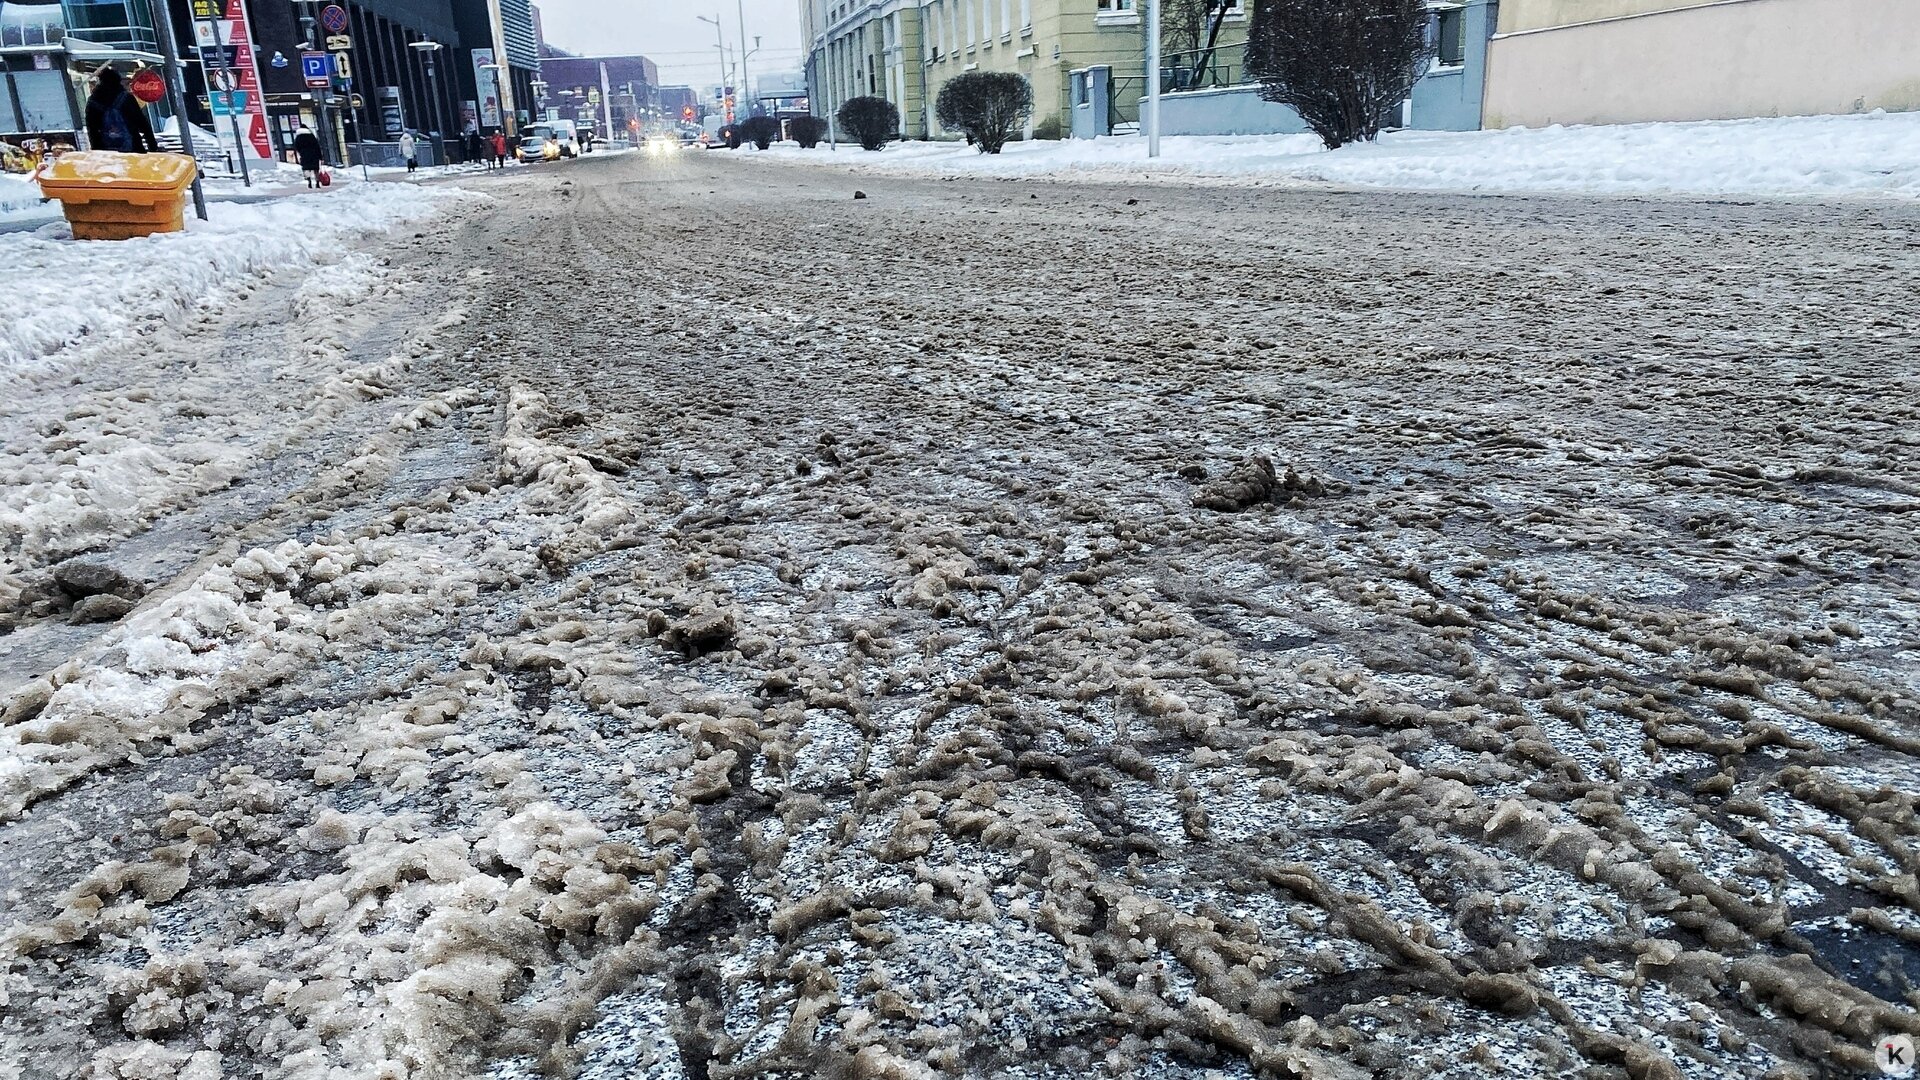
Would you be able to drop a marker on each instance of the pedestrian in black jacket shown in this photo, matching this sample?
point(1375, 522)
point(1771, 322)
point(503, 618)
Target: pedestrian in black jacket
point(306, 147)
point(115, 118)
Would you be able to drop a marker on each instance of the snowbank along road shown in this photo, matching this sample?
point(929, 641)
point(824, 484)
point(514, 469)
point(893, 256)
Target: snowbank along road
point(679, 620)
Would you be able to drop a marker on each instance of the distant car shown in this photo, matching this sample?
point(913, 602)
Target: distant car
point(537, 148)
point(662, 144)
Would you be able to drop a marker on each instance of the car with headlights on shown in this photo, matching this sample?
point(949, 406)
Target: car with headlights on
point(537, 148)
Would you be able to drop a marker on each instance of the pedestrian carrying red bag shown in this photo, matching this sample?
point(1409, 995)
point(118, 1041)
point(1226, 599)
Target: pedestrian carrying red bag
point(326, 178)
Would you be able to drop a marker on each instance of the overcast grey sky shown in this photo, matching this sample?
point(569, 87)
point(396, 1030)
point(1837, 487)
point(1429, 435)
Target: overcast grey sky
point(668, 32)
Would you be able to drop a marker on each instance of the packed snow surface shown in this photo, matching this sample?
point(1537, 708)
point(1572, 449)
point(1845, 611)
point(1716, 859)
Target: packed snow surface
point(60, 292)
point(978, 630)
point(1869, 154)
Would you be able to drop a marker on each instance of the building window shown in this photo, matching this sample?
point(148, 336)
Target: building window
point(1449, 29)
point(1106, 7)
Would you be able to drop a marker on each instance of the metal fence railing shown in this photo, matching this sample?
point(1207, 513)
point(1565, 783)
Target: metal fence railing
point(386, 155)
point(1179, 72)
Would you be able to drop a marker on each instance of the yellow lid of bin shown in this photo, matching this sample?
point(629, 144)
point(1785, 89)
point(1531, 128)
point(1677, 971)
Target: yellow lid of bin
point(96, 168)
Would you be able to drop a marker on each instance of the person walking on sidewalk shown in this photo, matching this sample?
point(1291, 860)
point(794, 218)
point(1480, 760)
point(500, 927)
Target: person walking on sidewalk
point(306, 147)
point(499, 150)
point(115, 120)
point(409, 150)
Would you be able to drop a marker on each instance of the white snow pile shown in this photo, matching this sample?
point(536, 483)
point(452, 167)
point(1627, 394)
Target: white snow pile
point(60, 292)
point(1873, 154)
point(18, 196)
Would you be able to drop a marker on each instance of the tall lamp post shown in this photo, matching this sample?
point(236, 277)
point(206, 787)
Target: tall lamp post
point(1153, 78)
point(428, 48)
point(746, 81)
point(720, 43)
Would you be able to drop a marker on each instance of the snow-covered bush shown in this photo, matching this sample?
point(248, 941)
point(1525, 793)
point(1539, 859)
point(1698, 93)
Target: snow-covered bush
point(761, 131)
point(988, 105)
point(807, 131)
point(1343, 65)
point(874, 121)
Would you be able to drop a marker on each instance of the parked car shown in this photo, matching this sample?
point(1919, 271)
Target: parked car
point(537, 148)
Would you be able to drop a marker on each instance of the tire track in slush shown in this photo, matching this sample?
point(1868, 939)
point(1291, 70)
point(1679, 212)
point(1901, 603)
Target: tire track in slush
point(835, 674)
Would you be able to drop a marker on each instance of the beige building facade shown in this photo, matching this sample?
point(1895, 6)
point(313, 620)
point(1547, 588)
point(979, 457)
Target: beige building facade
point(1631, 61)
point(906, 50)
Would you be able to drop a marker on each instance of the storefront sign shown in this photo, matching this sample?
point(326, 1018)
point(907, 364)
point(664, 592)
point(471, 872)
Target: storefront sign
point(147, 86)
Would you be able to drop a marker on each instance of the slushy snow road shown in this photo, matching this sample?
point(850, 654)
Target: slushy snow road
point(676, 620)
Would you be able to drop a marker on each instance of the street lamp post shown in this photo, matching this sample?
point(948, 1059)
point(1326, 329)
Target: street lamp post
point(427, 47)
point(720, 43)
point(746, 81)
point(1153, 78)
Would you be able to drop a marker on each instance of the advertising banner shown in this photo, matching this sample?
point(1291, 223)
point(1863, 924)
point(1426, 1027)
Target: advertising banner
point(392, 120)
point(225, 41)
point(487, 83)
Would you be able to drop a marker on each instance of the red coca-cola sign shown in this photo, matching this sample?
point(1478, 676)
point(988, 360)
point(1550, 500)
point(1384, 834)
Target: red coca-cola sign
point(148, 86)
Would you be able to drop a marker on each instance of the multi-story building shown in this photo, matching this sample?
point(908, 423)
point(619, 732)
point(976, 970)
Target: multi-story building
point(614, 94)
point(1626, 61)
point(398, 80)
point(906, 50)
point(1086, 60)
point(498, 89)
point(680, 104)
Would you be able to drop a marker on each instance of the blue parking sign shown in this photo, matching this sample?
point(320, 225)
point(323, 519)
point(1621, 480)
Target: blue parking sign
point(317, 67)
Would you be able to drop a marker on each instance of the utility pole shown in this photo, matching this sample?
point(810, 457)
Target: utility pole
point(213, 96)
point(177, 100)
point(1153, 78)
point(744, 92)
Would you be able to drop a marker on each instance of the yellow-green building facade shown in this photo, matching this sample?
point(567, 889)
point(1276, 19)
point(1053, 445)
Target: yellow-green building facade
point(906, 50)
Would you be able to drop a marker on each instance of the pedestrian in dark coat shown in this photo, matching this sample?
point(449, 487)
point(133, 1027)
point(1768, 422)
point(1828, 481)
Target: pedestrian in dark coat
point(306, 147)
point(115, 118)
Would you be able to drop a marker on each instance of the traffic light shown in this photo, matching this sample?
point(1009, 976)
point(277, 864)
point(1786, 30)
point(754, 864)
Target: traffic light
point(687, 114)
